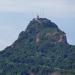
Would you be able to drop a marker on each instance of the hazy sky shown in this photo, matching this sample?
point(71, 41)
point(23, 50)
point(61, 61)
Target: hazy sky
point(16, 14)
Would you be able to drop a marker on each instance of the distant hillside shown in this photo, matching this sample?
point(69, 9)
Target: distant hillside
point(42, 49)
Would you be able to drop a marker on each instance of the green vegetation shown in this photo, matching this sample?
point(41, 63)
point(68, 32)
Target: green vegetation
point(40, 50)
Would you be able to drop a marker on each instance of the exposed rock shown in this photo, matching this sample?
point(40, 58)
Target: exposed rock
point(56, 73)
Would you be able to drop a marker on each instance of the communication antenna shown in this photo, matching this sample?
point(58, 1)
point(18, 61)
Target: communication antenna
point(38, 17)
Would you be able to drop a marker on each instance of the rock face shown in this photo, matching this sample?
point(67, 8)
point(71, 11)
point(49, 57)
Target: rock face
point(42, 28)
point(42, 49)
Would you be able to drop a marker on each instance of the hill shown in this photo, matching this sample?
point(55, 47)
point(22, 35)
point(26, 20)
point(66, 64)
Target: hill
point(42, 49)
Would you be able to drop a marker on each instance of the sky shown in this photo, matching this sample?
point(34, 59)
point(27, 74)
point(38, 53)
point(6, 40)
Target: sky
point(16, 14)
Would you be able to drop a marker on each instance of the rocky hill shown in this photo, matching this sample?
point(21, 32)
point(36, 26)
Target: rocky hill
point(42, 49)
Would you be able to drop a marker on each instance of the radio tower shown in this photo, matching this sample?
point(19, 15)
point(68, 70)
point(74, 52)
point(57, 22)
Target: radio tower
point(37, 16)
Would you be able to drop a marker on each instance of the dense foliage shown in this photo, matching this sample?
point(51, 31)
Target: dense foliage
point(41, 49)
